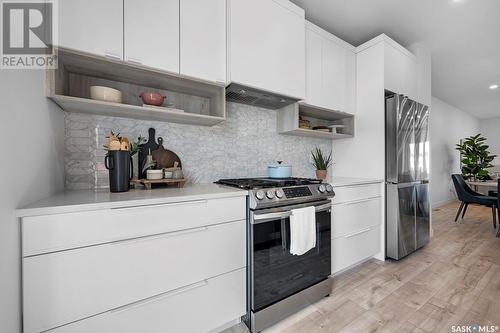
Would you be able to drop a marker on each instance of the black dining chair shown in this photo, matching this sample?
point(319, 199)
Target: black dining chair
point(498, 205)
point(467, 196)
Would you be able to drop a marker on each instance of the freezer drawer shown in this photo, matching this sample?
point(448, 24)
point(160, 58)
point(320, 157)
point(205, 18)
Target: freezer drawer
point(407, 219)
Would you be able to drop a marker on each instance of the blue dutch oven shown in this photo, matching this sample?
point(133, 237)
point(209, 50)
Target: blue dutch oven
point(279, 171)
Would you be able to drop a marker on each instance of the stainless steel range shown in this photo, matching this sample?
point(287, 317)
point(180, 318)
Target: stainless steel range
point(279, 283)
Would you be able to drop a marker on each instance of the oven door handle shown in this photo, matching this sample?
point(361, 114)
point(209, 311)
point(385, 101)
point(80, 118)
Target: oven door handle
point(272, 216)
point(260, 218)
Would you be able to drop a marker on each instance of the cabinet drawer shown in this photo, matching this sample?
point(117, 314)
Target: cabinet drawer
point(356, 193)
point(351, 217)
point(42, 234)
point(66, 286)
point(351, 249)
point(200, 307)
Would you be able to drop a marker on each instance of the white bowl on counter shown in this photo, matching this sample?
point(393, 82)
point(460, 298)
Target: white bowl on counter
point(105, 94)
point(154, 174)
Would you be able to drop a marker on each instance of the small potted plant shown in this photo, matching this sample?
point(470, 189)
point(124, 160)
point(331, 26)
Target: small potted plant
point(321, 162)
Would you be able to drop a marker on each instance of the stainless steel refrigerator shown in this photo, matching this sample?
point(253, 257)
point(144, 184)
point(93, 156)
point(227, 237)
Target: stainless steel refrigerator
point(407, 176)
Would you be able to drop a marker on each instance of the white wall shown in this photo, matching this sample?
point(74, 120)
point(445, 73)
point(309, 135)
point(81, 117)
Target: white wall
point(32, 166)
point(447, 126)
point(490, 129)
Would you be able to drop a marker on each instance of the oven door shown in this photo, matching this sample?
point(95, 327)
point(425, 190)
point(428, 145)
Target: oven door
point(276, 274)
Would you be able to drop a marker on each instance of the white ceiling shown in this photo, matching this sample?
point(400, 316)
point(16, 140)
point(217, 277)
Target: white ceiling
point(463, 35)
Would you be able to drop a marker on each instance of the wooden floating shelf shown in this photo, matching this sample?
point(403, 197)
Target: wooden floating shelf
point(194, 101)
point(90, 106)
point(321, 113)
point(288, 121)
point(317, 134)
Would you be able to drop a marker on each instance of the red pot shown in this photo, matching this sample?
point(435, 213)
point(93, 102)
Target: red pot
point(152, 98)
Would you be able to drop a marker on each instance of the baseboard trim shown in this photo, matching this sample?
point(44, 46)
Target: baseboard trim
point(227, 325)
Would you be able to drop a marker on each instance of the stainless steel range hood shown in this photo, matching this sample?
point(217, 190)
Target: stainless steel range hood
point(240, 94)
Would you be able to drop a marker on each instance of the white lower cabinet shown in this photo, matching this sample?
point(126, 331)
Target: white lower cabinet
point(152, 283)
point(51, 233)
point(354, 248)
point(196, 308)
point(357, 222)
point(356, 193)
point(352, 217)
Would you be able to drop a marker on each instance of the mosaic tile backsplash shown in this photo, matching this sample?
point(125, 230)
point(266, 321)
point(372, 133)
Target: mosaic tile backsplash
point(242, 146)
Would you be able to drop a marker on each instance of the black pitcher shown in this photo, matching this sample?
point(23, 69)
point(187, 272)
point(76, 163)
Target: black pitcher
point(118, 164)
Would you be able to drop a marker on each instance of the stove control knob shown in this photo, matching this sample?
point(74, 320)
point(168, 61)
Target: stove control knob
point(279, 194)
point(329, 188)
point(259, 195)
point(270, 194)
point(322, 188)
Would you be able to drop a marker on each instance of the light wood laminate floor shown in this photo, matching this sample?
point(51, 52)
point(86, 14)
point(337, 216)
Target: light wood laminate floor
point(454, 280)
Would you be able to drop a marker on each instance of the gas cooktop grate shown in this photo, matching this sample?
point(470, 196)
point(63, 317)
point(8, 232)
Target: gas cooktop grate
point(258, 183)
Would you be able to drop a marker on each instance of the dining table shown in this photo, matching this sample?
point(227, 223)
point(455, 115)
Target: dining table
point(483, 184)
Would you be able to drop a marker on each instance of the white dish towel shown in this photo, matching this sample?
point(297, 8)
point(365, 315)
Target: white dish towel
point(302, 230)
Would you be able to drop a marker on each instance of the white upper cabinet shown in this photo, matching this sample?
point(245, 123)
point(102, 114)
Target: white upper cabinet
point(314, 68)
point(267, 46)
point(151, 30)
point(93, 26)
point(330, 71)
point(400, 70)
point(203, 39)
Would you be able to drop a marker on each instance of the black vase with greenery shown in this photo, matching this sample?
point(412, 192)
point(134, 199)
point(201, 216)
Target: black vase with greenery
point(475, 158)
point(118, 164)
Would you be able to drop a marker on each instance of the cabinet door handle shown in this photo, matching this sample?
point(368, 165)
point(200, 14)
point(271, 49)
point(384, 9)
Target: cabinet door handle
point(182, 203)
point(160, 297)
point(134, 61)
point(358, 233)
point(360, 201)
point(159, 236)
point(112, 56)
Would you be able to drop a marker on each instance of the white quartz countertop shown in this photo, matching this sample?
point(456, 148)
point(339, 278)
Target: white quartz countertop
point(349, 181)
point(84, 200)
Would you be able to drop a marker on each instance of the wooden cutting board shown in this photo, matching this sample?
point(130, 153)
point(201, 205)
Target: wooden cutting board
point(165, 158)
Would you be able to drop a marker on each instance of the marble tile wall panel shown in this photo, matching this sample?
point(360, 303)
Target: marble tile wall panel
point(242, 146)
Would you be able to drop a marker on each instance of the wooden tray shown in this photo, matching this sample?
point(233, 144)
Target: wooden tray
point(148, 183)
